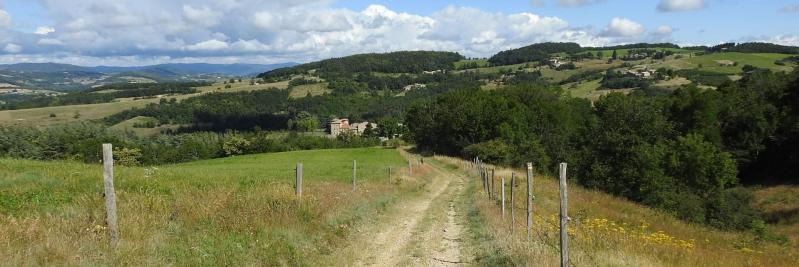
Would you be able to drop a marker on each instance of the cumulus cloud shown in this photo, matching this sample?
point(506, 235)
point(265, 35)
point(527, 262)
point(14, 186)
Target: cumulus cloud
point(49, 41)
point(226, 31)
point(12, 48)
point(621, 27)
point(209, 45)
point(577, 2)
point(662, 33)
point(663, 30)
point(789, 40)
point(5, 19)
point(202, 15)
point(274, 31)
point(44, 30)
point(680, 5)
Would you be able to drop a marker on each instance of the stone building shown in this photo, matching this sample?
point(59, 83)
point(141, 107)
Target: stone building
point(342, 125)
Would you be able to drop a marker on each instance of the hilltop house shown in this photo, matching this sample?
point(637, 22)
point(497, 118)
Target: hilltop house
point(555, 62)
point(645, 73)
point(414, 86)
point(342, 125)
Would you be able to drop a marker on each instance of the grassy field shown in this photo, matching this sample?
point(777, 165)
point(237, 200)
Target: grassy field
point(243, 86)
point(609, 231)
point(673, 83)
point(480, 62)
point(583, 89)
point(711, 62)
point(233, 211)
point(780, 206)
point(312, 89)
point(64, 114)
point(623, 52)
point(496, 69)
point(128, 126)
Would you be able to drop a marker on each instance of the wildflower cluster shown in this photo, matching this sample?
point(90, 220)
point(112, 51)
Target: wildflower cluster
point(638, 232)
point(604, 228)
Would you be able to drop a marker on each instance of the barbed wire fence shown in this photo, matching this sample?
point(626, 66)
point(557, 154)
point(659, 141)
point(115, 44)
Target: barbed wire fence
point(487, 175)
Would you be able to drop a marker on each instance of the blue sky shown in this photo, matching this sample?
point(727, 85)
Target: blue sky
point(720, 20)
point(136, 32)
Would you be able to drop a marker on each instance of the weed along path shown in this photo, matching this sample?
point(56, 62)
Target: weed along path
point(420, 230)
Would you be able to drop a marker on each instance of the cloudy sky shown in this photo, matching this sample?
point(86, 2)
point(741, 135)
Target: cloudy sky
point(140, 32)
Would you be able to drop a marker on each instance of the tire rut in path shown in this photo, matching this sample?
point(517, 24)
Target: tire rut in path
point(391, 243)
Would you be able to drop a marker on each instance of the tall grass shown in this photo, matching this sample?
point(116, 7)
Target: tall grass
point(609, 231)
point(231, 211)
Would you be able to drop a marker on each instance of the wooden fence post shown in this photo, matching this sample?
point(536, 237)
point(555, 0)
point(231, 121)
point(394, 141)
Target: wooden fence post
point(298, 180)
point(389, 174)
point(493, 195)
point(110, 194)
point(564, 218)
point(503, 197)
point(354, 173)
point(485, 181)
point(529, 201)
point(512, 204)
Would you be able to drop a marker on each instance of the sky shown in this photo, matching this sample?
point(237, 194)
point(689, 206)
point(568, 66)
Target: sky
point(144, 32)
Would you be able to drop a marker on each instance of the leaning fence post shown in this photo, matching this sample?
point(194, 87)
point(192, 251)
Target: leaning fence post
point(503, 197)
point(354, 173)
point(110, 195)
point(564, 218)
point(298, 180)
point(529, 201)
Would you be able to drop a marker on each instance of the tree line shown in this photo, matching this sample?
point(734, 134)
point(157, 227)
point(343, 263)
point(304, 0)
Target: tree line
point(394, 62)
point(96, 95)
point(82, 142)
point(685, 152)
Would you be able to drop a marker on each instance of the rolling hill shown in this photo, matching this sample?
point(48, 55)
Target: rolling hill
point(66, 77)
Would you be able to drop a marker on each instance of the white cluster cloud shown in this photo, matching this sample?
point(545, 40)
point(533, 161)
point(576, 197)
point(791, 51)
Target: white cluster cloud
point(578, 2)
point(5, 19)
point(44, 30)
point(621, 27)
point(680, 5)
point(789, 40)
point(128, 31)
point(12, 48)
point(663, 30)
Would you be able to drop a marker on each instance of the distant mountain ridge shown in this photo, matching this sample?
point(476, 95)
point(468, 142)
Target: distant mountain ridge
point(177, 68)
point(67, 77)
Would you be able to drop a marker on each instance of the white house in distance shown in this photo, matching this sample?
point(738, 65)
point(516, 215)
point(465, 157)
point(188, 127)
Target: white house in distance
point(342, 125)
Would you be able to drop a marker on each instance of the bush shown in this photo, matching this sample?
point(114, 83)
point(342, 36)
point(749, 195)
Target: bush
point(235, 145)
point(395, 143)
point(494, 151)
point(127, 156)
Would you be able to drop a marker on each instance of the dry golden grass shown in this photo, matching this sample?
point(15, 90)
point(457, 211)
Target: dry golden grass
point(780, 205)
point(609, 231)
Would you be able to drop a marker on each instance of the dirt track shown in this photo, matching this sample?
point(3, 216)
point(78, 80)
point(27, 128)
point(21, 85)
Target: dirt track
point(422, 231)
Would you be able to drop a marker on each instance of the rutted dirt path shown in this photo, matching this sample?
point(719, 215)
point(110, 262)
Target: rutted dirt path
point(422, 231)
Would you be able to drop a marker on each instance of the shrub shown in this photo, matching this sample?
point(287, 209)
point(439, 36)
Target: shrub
point(494, 151)
point(127, 156)
point(235, 145)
